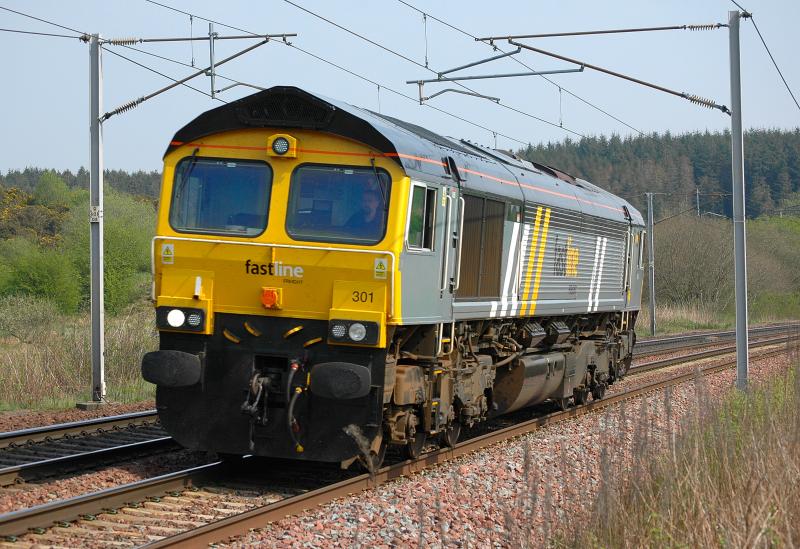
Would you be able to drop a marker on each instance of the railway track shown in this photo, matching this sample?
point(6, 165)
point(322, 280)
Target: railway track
point(203, 505)
point(653, 346)
point(43, 451)
point(32, 454)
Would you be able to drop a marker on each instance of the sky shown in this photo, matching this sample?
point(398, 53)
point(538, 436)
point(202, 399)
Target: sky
point(44, 99)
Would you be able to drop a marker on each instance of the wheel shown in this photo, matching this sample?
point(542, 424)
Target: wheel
point(449, 436)
point(599, 391)
point(580, 396)
point(415, 445)
point(562, 403)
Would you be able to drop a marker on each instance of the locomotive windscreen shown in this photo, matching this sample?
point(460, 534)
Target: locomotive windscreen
point(220, 196)
point(338, 204)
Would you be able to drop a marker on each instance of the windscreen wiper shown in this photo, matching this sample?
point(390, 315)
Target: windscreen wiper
point(380, 185)
point(187, 171)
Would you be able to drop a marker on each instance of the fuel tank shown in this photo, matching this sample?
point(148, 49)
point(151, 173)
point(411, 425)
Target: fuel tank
point(528, 380)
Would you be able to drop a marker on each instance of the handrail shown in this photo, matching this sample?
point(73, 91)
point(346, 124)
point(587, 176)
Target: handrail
point(460, 240)
point(445, 275)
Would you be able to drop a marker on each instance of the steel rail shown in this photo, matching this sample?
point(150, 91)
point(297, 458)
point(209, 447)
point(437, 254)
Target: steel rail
point(46, 467)
point(49, 432)
point(44, 516)
point(664, 363)
point(720, 341)
point(677, 339)
point(242, 523)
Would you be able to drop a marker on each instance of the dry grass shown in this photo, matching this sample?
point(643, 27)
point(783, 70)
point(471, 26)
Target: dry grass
point(676, 318)
point(729, 478)
point(45, 357)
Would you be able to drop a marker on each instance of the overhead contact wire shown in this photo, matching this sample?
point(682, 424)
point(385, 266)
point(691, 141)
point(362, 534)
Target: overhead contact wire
point(693, 98)
point(747, 14)
point(136, 102)
point(44, 21)
point(348, 71)
point(171, 60)
point(49, 34)
point(523, 64)
point(421, 65)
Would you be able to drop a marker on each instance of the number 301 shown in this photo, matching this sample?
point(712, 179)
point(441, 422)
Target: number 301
point(363, 297)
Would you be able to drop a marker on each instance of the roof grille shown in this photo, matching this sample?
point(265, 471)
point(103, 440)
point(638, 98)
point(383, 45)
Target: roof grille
point(282, 109)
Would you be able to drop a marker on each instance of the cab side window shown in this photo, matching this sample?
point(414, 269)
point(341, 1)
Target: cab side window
point(421, 218)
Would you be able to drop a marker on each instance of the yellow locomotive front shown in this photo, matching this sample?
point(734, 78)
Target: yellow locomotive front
point(276, 251)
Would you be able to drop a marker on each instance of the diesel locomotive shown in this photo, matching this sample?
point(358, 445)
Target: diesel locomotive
point(328, 278)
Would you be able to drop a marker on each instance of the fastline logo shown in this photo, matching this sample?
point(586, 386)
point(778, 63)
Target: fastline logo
point(278, 268)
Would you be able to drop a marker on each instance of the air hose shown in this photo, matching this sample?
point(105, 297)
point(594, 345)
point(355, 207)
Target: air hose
point(291, 398)
point(291, 422)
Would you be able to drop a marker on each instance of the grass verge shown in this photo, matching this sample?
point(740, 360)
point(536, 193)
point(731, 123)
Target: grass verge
point(730, 479)
point(45, 356)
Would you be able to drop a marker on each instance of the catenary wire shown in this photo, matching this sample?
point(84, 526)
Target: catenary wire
point(405, 96)
point(764, 42)
point(421, 65)
point(177, 62)
point(48, 34)
point(43, 20)
point(352, 73)
point(523, 64)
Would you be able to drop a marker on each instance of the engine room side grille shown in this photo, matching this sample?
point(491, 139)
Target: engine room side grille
point(285, 110)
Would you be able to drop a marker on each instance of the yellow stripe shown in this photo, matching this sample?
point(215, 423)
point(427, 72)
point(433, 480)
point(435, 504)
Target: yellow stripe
point(540, 262)
point(526, 280)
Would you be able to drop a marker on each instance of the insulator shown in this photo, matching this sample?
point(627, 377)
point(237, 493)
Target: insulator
point(123, 41)
point(703, 27)
point(702, 101)
point(124, 108)
point(128, 106)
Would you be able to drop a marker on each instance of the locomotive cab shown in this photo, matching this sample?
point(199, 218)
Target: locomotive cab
point(275, 274)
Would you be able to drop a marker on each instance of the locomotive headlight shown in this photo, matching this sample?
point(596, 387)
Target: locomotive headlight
point(280, 145)
point(345, 331)
point(185, 319)
point(176, 318)
point(357, 331)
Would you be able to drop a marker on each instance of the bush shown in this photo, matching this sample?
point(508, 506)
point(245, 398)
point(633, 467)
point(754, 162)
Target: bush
point(30, 270)
point(129, 226)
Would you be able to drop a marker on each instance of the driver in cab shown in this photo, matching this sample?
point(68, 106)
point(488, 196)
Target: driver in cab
point(368, 220)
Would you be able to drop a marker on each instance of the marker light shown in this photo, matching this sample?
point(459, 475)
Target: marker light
point(357, 331)
point(338, 331)
point(280, 145)
point(176, 318)
point(193, 320)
